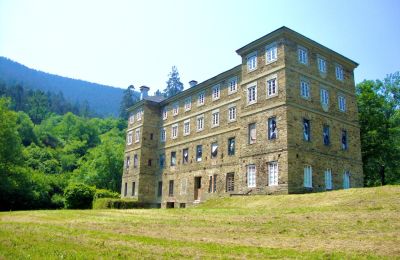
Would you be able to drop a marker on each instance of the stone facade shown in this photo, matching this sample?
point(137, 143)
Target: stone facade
point(284, 121)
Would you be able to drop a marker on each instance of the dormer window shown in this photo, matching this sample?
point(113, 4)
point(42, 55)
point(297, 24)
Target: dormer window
point(271, 53)
point(339, 72)
point(175, 109)
point(302, 55)
point(164, 113)
point(216, 92)
point(252, 61)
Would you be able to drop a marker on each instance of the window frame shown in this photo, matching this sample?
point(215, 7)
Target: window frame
point(324, 97)
point(215, 118)
point(230, 182)
point(269, 132)
point(201, 98)
point(249, 94)
point(251, 61)
point(346, 180)
point(342, 103)
point(199, 155)
point(307, 181)
point(164, 113)
point(232, 111)
point(171, 188)
point(137, 135)
point(249, 141)
point(216, 92)
point(344, 145)
point(174, 131)
point(307, 139)
point(326, 127)
point(173, 159)
point(274, 79)
point(199, 119)
point(175, 109)
point(339, 72)
point(129, 137)
point(163, 138)
point(302, 53)
point(230, 81)
point(212, 155)
point(251, 172)
point(188, 104)
point(131, 118)
point(328, 179)
point(271, 53)
point(305, 85)
point(273, 173)
point(186, 127)
point(322, 65)
point(230, 151)
point(185, 161)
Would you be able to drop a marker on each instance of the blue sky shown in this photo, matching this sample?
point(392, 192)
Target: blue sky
point(119, 43)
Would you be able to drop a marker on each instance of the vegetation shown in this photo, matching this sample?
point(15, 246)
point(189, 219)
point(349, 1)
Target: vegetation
point(109, 203)
point(174, 84)
point(129, 98)
point(347, 224)
point(79, 196)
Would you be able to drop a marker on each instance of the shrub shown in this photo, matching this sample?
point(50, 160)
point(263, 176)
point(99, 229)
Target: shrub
point(79, 196)
point(108, 203)
point(102, 193)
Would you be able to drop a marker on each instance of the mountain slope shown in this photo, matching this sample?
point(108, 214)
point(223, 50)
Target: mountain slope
point(102, 99)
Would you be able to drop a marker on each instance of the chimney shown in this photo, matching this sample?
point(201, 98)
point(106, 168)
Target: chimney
point(144, 92)
point(192, 83)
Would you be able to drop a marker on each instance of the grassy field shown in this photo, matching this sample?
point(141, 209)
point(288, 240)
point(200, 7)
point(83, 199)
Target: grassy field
point(355, 223)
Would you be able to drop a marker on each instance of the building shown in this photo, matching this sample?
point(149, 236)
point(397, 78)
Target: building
point(283, 121)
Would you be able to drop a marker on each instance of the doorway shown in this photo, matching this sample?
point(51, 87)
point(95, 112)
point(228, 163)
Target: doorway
point(197, 188)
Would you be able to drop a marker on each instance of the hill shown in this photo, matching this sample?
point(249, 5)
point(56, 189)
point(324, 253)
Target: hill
point(355, 223)
point(102, 99)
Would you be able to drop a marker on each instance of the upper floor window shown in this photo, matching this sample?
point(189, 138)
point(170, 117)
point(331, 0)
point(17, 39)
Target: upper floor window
point(201, 98)
point(305, 89)
point(162, 161)
point(252, 93)
point(321, 64)
point(344, 140)
point(231, 146)
point(129, 138)
point(328, 179)
point(252, 133)
point(127, 162)
point(308, 176)
point(137, 135)
point(200, 123)
point(272, 129)
point(135, 161)
point(139, 114)
point(342, 103)
point(232, 87)
point(131, 118)
point(175, 109)
point(302, 55)
point(199, 152)
point(163, 134)
point(272, 86)
point(215, 118)
point(186, 127)
point(306, 130)
point(173, 158)
point(339, 72)
point(164, 113)
point(171, 188)
point(251, 176)
point(252, 61)
point(188, 103)
point(185, 156)
point(324, 94)
point(273, 173)
point(271, 53)
point(174, 131)
point(216, 92)
point(326, 135)
point(232, 113)
point(214, 150)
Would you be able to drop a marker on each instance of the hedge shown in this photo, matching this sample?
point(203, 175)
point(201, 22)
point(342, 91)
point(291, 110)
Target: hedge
point(109, 203)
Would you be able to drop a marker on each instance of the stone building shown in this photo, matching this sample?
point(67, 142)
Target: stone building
point(283, 121)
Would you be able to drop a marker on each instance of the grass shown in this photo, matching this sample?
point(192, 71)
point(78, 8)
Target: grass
point(347, 224)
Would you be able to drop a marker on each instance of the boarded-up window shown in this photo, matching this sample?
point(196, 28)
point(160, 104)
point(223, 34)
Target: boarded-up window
point(230, 182)
point(252, 133)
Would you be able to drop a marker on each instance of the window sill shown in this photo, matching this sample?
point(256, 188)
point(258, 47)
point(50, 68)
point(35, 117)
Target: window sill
point(232, 92)
point(271, 61)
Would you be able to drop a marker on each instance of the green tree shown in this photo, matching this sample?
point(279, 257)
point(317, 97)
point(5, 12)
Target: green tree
point(79, 196)
point(25, 129)
point(128, 99)
point(174, 84)
point(38, 106)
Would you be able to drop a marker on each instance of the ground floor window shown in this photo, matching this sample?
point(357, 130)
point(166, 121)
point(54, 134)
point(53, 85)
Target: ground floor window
point(230, 182)
point(212, 186)
point(273, 173)
point(328, 179)
point(251, 176)
point(159, 189)
point(346, 180)
point(133, 188)
point(308, 176)
point(126, 189)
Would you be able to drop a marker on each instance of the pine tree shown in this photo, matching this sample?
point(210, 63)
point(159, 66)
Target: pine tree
point(174, 84)
point(128, 99)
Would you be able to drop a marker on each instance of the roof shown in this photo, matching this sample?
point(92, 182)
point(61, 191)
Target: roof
point(156, 99)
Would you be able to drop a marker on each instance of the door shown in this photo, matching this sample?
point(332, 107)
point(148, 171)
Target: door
point(197, 188)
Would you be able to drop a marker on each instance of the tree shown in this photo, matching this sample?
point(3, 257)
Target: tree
point(174, 84)
point(128, 99)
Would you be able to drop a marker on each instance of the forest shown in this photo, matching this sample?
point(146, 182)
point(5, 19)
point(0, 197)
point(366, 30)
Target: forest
point(49, 147)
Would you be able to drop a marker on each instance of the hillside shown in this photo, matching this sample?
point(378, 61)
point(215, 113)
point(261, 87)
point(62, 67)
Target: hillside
point(104, 100)
point(355, 223)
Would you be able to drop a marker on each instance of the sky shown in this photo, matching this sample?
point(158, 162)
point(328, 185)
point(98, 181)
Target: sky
point(124, 42)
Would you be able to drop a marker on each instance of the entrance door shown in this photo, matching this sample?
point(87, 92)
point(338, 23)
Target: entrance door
point(197, 188)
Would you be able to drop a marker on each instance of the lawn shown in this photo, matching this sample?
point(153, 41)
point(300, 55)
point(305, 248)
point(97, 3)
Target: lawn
point(355, 223)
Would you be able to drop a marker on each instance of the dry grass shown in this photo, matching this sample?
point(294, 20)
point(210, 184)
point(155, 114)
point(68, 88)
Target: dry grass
point(356, 223)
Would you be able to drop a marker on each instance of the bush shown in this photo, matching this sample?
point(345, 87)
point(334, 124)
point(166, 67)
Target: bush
point(102, 193)
point(108, 203)
point(79, 196)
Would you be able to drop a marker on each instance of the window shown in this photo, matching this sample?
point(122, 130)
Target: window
point(201, 99)
point(231, 146)
point(215, 118)
point(216, 92)
point(272, 129)
point(308, 176)
point(324, 95)
point(133, 188)
point(346, 180)
point(251, 176)
point(175, 109)
point(200, 123)
point(135, 161)
point(306, 130)
point(173, 158)
point(186, 127)
point(164, 113)
point(272, 87)
point(149, 161)
point(174, 132)
point(185, 156)
point(126, 189)
point(131, 118)
point(252, 61)
point(271, 53)
point(188, 103)
point(230, 182)
point(302, 55)
point(232, 85)
point(344, 140)
point(273, 173)
point(137, 135)
point(212, 186)
point(232, 113)
point(163, 134)
point(342, 103)
point(215, 183)
point(127, 162)
point(214, 150)
point(210, 178)
point(139, 114)
point(252, 133)
point(199, 153)
point(129, 138)
point(183, 186)
point(328, 179)
point(326, 135)
point(321, 64)
point(305, 89)
point(171, 188)
point(159, 189)
point(252, 93)
point(339, 72)
point(162, 161)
